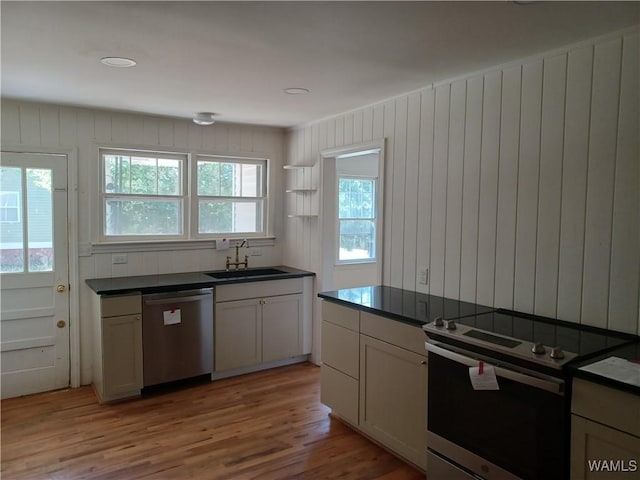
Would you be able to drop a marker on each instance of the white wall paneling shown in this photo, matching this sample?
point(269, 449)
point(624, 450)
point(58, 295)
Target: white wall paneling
point(605, 96)
point(508, 186)
point(40, 126)
point(527, 185)
point(625, 247)
point(455, 166)
point(471, 189)
point(488, 208)
point(517, 187)
point(549, 199)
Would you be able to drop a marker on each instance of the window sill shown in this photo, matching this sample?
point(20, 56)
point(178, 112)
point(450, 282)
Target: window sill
point(122, 247)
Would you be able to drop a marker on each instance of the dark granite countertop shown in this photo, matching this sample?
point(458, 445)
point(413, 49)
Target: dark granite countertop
point(406, 306)
point(606, 377)
point(181, 281)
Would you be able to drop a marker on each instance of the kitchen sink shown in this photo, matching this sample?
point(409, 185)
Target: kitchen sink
point(252, 272)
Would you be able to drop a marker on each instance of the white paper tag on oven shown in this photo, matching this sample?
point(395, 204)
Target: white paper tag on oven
point(483, 381)
point(171, 317)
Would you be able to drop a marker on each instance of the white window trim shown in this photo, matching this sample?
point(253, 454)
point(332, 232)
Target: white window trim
point(183, 197)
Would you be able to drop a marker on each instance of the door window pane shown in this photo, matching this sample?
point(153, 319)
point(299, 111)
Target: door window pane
point(11, 227)
point(40, 219)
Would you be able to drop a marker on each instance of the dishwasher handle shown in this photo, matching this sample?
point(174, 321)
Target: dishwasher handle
point(174, 300)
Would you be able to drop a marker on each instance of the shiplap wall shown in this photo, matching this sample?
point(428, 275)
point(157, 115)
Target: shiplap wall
point(26, 124)
point(517, 187)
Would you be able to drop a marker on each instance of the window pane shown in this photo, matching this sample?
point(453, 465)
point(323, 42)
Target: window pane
point(357, 239)
point(225, 179)
point(143, 217)
point(169, 178)
point(11, 234)
point(117, 174)
point(142, 175)
point(356, 198)
point(227, 216)
point(40, 220)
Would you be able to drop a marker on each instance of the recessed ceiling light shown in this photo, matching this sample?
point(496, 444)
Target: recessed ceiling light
point(296, 91)
point(204, 118)
point(119, 62)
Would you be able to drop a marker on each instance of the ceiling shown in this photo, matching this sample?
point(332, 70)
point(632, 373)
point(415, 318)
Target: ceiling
point(235, 58)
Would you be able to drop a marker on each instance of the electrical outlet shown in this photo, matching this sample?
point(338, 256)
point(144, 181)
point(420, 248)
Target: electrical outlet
point(118, 258)
point(424, 276)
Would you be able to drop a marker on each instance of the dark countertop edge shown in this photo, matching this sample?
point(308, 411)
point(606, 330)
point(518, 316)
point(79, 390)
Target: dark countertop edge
point(205, 282)
point(606, 381)
point(375, 311)
point(622, 351)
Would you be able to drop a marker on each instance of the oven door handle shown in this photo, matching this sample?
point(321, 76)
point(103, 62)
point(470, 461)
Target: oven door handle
point(550, 385)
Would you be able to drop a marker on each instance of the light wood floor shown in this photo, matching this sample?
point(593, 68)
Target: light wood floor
point(268, 425)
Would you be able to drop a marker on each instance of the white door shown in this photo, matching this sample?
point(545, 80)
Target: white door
point(34, 274)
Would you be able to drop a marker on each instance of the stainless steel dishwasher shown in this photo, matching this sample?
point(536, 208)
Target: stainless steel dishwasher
point(177, 335)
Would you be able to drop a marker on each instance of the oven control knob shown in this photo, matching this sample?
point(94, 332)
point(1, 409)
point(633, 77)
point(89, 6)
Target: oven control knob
point(438, 322)
point(538, 349)
point(557, 353)
point(451, 325)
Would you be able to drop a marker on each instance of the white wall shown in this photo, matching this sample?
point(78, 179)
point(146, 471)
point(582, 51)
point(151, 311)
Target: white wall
point(26, 124)
point(517, 187)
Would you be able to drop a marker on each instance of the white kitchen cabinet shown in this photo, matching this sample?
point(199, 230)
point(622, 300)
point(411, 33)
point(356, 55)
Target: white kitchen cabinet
point(393, 391)
point(118, 368)
point(261, 323)
point(374, 376)
point(238, 334)
point(340, 361)
point(605, 429)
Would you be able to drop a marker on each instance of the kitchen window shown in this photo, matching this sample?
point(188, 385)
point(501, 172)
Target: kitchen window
point(231, 195)
point(356, 219)
point(143, 195)
point(162, 196)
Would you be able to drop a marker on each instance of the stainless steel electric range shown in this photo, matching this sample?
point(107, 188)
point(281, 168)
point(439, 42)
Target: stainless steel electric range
point(521, 429)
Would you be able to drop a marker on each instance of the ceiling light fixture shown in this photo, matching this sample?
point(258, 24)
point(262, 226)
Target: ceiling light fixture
point(296, 91)
point(118, 62)
point(204, 118)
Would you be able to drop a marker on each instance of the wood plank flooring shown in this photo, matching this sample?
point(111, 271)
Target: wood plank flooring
point(268, 425)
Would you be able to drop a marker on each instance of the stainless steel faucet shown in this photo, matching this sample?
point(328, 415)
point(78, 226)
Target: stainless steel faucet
point(237, 262)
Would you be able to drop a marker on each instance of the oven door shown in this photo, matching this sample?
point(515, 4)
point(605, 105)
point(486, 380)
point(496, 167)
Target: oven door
point(518, 431)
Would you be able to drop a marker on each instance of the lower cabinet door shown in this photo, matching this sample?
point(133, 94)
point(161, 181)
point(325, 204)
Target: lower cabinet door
point(281, 327)
point(238, 334)
point(122, 355)
point(393, 398)
point(600, 452)
point(339, 392)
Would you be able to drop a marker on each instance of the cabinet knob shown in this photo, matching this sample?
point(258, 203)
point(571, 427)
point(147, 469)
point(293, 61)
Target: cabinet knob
point(61, 324)
point(423, 362)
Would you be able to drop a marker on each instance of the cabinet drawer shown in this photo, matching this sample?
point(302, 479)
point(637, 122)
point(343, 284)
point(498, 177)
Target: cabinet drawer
point(340, 348)
point(115, 306)
point(343, 316)
point(269, 288)
point(400, 334)
point(340, 393)
point(622, 409)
